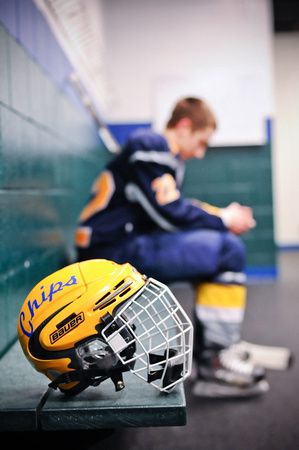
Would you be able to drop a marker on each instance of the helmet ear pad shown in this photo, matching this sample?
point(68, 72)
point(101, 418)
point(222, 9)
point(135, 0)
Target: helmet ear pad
point(97, 362)
point(92, 359)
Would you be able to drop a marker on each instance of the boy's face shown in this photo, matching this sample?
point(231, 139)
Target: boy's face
point(193, 144)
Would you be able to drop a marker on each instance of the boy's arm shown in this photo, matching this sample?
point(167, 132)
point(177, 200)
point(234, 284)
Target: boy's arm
point(154, 187)
point(237, 218)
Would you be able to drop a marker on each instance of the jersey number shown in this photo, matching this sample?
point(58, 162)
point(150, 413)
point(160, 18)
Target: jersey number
point(165, 188)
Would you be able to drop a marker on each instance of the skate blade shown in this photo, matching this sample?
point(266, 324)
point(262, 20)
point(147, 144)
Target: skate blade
point(210, 389)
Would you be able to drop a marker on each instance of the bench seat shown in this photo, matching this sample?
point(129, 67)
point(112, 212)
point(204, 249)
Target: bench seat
point(27, 404)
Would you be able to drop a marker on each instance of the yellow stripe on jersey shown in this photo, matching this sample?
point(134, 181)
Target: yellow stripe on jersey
point(211, 209)
point(215, 295)
point(103, 188)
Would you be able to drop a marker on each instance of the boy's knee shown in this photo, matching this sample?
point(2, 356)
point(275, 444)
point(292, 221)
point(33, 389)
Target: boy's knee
point(234, 252)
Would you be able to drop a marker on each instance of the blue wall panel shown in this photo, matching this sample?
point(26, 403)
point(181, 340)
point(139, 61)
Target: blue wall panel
point(49, 154)
point(244, 175)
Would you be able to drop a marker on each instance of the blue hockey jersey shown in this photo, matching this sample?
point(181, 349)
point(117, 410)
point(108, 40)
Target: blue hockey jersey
point(139, 192)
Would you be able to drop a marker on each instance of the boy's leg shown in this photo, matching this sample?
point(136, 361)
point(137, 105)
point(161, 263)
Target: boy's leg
point(221, 369)
point(221, 300)
point(219, 313)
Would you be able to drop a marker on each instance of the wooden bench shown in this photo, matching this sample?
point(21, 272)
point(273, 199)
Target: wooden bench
point(28, 404)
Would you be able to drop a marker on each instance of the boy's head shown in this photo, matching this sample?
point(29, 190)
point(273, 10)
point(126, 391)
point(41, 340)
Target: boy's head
point(190, 126)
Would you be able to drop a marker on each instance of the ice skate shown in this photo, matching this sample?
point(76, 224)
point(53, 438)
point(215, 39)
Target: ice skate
point(223, 374)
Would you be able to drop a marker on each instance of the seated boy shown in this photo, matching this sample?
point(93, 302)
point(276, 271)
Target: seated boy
point(137, 213)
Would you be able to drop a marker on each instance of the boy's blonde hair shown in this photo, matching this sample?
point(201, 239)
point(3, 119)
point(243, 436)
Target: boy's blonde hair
point(194, 109)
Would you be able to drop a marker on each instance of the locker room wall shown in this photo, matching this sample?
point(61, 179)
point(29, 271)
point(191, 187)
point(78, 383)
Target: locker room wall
point(49, 153)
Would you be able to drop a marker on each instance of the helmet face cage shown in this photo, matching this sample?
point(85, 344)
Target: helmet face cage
point(161, 332)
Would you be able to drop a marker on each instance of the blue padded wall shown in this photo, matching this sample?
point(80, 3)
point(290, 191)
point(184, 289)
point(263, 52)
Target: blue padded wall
point(49, 154)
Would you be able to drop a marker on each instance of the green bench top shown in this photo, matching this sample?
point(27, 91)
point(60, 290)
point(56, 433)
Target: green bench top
point(27, 404)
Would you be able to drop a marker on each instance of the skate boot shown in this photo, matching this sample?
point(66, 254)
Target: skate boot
point(224, 374)
point(267, 356)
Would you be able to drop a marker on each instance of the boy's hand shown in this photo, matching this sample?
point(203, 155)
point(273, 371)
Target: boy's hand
point(238, 218)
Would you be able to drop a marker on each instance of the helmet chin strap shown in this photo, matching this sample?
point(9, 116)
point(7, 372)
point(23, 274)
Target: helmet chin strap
point(95, 376)
point(92, 377)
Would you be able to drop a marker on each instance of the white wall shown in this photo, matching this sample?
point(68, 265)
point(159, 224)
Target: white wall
point(286, 138)
point(217, 49)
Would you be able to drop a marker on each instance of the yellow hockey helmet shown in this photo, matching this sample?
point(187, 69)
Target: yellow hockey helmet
point(93, 320)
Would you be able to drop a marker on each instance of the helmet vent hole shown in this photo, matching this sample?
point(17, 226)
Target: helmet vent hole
point(124, 292)
point(103, 298)
point(109, 298)
point(118, 284)
point(65, 321)
point(107, 304)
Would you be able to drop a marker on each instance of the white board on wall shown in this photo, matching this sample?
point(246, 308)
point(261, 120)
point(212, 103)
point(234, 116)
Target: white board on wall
point(238, 99)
